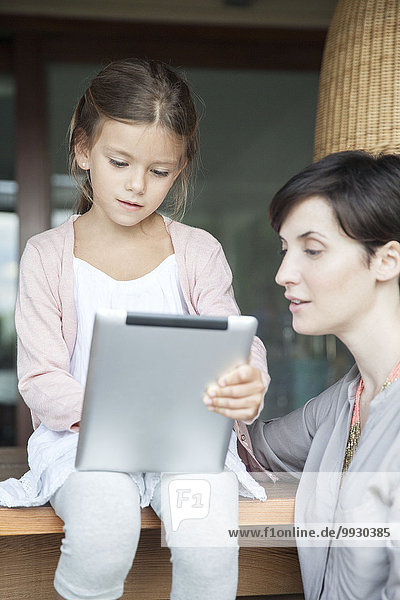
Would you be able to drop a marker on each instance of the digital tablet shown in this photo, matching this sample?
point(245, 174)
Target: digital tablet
point(143, 408)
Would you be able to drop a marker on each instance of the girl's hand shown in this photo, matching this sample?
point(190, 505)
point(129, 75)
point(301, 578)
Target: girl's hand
point(237, 394)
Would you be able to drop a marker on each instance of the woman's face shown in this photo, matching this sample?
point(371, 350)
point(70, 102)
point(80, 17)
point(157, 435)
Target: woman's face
point(324, 272)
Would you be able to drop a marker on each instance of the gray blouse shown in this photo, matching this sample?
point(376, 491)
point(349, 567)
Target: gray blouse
point(312, 440)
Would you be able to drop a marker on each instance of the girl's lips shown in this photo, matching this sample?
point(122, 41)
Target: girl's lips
point(129, 206)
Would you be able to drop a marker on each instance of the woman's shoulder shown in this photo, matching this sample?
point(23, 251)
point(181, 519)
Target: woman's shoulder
point(331, 400)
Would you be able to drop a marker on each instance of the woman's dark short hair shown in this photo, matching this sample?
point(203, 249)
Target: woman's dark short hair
point(363, 191)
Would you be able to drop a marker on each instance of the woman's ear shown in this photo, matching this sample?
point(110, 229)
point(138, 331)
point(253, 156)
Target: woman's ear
point(387, 261)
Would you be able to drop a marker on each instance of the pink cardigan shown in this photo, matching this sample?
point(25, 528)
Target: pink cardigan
point(46, 318)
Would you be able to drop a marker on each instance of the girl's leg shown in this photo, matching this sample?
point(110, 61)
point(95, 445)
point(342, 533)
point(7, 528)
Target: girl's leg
point(204, 573)
point(101, 514)
point(204, 558)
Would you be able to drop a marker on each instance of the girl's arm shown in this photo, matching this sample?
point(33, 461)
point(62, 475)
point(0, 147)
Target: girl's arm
point(244, 388)
point(53, 395)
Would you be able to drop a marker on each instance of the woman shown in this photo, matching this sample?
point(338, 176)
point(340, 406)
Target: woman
point(339, 223)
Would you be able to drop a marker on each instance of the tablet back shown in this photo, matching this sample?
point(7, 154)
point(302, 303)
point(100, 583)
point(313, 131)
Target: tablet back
point(143, 408)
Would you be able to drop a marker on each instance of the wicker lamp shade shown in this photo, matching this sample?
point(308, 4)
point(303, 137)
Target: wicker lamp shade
point(359, 95)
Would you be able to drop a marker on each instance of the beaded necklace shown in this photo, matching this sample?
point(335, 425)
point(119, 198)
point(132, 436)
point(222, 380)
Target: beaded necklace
point(355, 427)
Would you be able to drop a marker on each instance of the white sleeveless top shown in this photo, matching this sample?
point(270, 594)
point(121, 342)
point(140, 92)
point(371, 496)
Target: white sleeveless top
point(158, 291)
point(51, 454)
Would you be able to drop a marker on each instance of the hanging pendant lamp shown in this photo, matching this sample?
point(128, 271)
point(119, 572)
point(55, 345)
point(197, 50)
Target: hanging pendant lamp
point(359, 94)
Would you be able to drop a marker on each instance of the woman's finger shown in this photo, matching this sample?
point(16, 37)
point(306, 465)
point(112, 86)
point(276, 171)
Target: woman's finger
point(239, 415)
point(232, 403)
point(235, 391)
point(242, 374)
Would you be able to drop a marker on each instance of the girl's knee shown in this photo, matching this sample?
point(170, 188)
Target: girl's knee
point(101, 513)
point(108, 498)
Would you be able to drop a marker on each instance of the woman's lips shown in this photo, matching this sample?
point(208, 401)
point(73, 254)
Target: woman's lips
point(295, 303)
point(294, 307)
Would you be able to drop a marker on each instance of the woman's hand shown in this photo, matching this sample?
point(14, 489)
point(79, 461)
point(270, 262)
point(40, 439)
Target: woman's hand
point(238, 394)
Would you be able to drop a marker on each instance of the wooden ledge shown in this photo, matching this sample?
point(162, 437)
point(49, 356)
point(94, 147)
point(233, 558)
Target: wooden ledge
point(277, 510)
point(42, 519)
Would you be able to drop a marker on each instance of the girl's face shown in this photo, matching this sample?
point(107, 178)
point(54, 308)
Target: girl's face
point(324, 272)
point(132, 168)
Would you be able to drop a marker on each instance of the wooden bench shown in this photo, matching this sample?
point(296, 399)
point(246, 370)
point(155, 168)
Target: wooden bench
point(30, 539)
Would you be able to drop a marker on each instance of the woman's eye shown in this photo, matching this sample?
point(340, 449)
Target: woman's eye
point(160, 173)
point(312, 252)
point(283, 251)
point(118, 163)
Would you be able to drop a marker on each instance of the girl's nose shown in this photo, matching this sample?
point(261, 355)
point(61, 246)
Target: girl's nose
point(287, 273)
point(136, 182)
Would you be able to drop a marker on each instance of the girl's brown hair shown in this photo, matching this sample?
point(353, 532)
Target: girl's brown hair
point(142, 91)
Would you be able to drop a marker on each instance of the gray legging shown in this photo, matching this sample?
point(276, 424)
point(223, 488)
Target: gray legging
point(101, 513)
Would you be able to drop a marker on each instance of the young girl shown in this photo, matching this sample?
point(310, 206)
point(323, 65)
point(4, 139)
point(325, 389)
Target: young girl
point(133, 139)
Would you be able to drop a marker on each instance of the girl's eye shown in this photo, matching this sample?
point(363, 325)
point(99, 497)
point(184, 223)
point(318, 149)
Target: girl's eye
point(118, 163)
point(283, 251)
point(160, 173)
point(312, 252)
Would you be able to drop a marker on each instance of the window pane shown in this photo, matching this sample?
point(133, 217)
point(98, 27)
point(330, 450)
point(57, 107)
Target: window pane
point(7, 137)
point(256, 131)
point(8, 261)
point(66, 84)
point(8, 283)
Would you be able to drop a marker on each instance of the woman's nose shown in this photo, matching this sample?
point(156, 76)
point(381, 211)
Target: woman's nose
point(287, 273)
